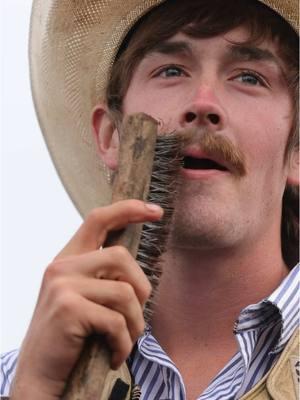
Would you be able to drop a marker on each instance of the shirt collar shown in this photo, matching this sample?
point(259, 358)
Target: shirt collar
point(282, 307)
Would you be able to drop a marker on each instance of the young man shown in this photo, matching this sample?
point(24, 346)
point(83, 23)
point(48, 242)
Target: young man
point(226, 307)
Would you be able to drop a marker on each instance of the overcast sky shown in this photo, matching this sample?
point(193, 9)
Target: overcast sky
point(37, 217)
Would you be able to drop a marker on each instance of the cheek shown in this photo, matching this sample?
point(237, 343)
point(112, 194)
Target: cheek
point(265, 164)
point(263, 129)
point(138, 99)
point(164, 106)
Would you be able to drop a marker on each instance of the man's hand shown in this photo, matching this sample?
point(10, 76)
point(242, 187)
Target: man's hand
point(85, 290)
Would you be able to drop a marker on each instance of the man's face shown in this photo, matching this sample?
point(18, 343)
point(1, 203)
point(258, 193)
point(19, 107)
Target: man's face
point(239, 93)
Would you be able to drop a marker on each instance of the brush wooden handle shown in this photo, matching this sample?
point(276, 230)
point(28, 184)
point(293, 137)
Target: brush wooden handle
point(92, 377)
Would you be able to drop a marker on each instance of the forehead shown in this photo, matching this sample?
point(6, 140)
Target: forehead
point(234, 39)
point(233, 46)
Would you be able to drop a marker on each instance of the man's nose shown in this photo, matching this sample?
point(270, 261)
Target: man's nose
point(204, 110)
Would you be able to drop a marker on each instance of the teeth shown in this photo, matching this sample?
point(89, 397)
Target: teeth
point(201, 163)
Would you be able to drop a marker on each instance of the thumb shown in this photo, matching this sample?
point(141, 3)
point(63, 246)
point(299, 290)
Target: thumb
point(93, 232)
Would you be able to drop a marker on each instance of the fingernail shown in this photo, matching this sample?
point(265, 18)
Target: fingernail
point(153, 207)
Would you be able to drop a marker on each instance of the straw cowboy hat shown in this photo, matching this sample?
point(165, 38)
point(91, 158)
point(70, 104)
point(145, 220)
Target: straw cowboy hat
point(73, 44)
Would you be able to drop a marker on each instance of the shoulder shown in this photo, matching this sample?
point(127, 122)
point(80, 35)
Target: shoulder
point(8, 362)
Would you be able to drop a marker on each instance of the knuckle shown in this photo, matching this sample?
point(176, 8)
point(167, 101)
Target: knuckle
point(118, 323)
point(65, 304)
point(134, 204)
point(125, 293)
point(121, 253)
point(94, 216)
point(127, 203)
point(146, 290)
point(56, 285)
point(58, 267)
point(53, 271)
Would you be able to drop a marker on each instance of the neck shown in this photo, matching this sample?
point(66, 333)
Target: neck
point(201, 293)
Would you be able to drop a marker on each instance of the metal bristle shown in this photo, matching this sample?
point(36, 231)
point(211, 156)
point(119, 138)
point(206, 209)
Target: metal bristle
point(163, 189)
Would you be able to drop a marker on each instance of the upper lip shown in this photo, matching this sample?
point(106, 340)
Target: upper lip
point(200, 154)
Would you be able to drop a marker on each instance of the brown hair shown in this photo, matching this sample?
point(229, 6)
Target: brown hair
point(211, 19)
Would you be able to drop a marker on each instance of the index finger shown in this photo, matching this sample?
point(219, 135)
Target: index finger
point(93, 232)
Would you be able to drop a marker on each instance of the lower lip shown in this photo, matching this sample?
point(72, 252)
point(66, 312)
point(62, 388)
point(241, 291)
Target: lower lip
point(202, 173)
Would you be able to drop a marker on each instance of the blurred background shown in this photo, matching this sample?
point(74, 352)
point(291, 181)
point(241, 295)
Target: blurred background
point(37, 217)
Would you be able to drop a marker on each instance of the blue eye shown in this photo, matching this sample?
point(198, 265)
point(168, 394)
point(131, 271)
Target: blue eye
point(250, 78)
point(170, 71)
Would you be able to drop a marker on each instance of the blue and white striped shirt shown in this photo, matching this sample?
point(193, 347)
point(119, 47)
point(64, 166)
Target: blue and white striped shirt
point(262, 331)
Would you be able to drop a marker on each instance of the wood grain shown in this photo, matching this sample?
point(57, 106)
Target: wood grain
point(92, 377)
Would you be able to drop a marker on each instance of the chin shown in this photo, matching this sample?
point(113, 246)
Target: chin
point(203, 228)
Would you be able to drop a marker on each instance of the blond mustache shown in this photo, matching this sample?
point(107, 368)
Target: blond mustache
point(215, 146)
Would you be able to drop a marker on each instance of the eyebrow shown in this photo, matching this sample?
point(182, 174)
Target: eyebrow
point(172, 48)
point(251, 53)
point(240, 52)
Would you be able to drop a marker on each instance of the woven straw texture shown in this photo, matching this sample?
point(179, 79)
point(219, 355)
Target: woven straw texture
point(72, 47)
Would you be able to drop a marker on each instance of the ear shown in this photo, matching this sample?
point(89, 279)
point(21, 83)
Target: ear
point(293, 172)
point(106, 136)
